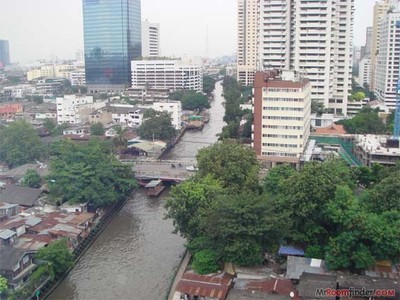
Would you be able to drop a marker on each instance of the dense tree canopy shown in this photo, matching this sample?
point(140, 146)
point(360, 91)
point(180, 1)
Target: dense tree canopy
point(192, 100)
point(157, 125)
point(3, 284)
point(208, 84)
point(365, 121)
point(348, 216)
point(20, 144)
point(83, 173)
point(232, 163)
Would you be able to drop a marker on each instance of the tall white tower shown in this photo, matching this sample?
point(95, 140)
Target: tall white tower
point(314, 38)
point(247, 40)
point(150, 39)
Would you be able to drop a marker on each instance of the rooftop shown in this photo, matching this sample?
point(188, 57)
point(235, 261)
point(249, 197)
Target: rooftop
point(376, 144)
point(205, 286)
point(333, 129)
point(299, 265)
point(24, 196)
point(10, 256)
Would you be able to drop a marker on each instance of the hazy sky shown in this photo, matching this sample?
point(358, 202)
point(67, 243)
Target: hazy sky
point(41, 28)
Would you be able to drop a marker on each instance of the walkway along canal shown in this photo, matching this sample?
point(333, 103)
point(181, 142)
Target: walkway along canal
point(136, 255)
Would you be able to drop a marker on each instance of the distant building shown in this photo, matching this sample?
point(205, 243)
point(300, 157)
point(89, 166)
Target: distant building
point(364, 71)
point(112, 39)
point(4, 53)
point(380, 10)
point(282, 110)
point(387, 60)
point(171, 74)
point(77, 77)
point(247, 47)
point(368, 40)
point(145, 94)
point(150, 39)
point(67, 108)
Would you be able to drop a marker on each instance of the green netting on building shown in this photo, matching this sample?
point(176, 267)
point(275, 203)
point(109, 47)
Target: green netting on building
point(347, 146)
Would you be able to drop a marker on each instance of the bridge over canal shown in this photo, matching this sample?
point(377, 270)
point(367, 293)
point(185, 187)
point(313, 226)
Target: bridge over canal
point(166, 170)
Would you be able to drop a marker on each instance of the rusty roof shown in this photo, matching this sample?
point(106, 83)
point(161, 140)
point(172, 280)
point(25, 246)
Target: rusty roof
point(205, 286)
point(333, 129)
point(278, 286)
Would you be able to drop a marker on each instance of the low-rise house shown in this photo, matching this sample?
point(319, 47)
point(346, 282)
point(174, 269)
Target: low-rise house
point(23, 196)
point(19, 172)
point(8, 210)
point(77, 130)
point(16, 265)
point(102, 115)
point(7, 237)
point(131, 116)
point(210, 287)
point(8, 111)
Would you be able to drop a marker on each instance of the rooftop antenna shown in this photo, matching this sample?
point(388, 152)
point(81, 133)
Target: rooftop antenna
point(207, 44)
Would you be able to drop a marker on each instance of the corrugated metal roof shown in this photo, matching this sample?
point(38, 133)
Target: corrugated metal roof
point(6, 233)
point(153, 183)
point(205, 286)
point(289, 250)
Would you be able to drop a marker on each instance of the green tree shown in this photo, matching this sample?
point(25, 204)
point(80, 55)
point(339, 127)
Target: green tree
point(208, 84)
point(192, 100)
point(97, 129)
point(31, 179)
point(275, 181)
point(20, 144)
point(157, 126)
point(357, 96)
point(232, 163)
point(247, 127)
point(119, 141)
point(37, 99)
point(3, 284)
point(366, 121)
point(58, 130)
point(205, 262)
point(243, 226)
point(317, 107)
point(177, 95)
point(385, 195)
point(50, 125)
point(188, 201)
point(58, 255)
point(307, 193)
point(81, 173)
point(229, 131)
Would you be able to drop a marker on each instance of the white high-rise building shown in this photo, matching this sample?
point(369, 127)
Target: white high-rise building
point(388, 59)
point(171, 74)
point(364, 71)
point(247, 47)
point(314, 38)
point(150, 39)
point(380, 10)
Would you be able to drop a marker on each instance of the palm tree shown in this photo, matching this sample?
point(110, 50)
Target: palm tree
point(119, 140)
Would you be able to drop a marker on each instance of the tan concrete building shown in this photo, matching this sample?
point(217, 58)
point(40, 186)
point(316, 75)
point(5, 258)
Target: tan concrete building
point(247, 50)
point(282, 114)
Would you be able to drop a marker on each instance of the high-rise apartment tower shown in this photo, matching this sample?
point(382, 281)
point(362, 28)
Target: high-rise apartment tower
point(247, 40)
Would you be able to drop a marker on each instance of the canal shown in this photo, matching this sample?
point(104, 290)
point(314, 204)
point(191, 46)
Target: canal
point(136, 255)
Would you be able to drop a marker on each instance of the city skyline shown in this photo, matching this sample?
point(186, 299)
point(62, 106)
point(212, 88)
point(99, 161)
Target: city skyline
point(31, 35)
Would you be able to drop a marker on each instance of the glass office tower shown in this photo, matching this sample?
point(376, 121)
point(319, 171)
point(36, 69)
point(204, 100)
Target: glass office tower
point(4, 53)
point(112, 38)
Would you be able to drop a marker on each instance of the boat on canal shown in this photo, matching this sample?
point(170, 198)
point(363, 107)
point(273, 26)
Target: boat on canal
point(154, 188)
